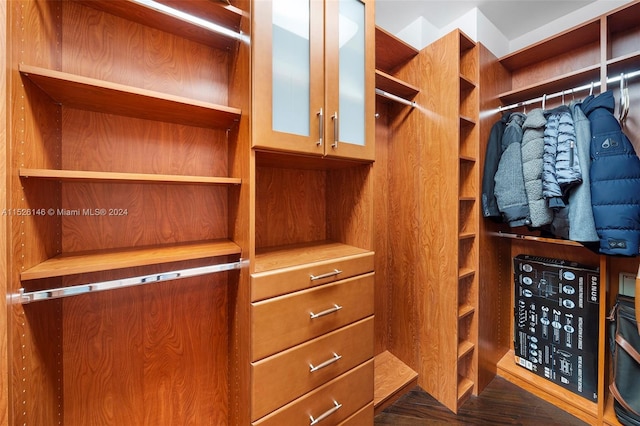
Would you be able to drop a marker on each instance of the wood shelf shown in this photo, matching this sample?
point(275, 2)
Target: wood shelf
point(113, 98)
point(536, 238)
point(270, 258)
point(391, 52)
point(218, 13)
point(392, 378)
point(395, 86)
point(547, 390)
point(466, 235)
point(468, 158)
point(553, 46)
point(104, 260)
point(464, 348)
point(625, 63)
point(563, 82)
point(465, 272)
point(467, 121)
point(466, 83)
point(465, 386)
point(465, 310)
point(116, 177)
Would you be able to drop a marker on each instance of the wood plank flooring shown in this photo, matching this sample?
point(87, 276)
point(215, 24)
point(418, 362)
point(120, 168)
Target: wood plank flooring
point(501, 403)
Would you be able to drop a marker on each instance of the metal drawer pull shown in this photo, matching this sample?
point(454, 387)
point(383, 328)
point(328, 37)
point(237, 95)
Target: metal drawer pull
point(327, 275)
point(327, 363)
point(321, 417)
point(335, 308)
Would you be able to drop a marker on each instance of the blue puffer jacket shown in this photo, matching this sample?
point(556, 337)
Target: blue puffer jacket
point(615, 179)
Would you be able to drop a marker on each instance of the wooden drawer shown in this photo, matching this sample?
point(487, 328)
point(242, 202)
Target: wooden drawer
point(364, 417)
point(339, 351)
point(286, 280)
point(285, 321)
point(352, 391)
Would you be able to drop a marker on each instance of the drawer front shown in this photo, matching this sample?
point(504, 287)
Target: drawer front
point(335, 401)
point(309, 365)
point(285, 321)
point(363, 417)
point(287, 280)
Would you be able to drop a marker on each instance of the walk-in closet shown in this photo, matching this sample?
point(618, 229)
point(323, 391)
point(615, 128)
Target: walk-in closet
point(271, 212)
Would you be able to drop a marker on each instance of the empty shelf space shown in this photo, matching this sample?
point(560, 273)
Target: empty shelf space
point(465, 272)
point(391, 52)
point(160, 14)
point(466, 235)
point(392, 378)
point(92, 176)
point(465, 310)
point(464, 348)
point(390, 84)
point(104, 260)
point(467, 121)
point(465, 386)
point(564, 82)
point(466, 84)
point(112, 98)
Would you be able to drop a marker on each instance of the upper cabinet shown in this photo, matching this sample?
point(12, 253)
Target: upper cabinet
point(314, 77)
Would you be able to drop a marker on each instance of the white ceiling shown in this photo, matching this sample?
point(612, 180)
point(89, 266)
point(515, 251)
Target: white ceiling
point(512, 17)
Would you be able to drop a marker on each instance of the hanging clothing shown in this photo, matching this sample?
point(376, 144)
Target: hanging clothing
point(615, 179)
point(493, 153)
point(510, 192)
point(561, 164)
point(582, 226)
point(532, 165)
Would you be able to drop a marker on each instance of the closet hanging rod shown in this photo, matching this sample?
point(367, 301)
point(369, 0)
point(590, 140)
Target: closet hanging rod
point(24, 297)
point(395, 98)
point(568, 91)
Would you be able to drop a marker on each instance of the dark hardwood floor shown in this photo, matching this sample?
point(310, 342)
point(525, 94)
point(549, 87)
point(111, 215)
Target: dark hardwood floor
point(501, 403)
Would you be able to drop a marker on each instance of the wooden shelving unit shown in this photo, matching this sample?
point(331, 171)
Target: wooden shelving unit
point(91, 176)
point(112, 98)
point(81, 263)
point(128, 158)
point(591, 52)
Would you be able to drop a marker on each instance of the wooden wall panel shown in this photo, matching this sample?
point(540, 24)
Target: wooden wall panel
point(4, 255)
point(103, 142)
point(290, 206)
point(155, 354)
point(381, 205)
point(122, 51)
point(437, 261)
point(349, 206)
point(493, 303)
point(33, 138)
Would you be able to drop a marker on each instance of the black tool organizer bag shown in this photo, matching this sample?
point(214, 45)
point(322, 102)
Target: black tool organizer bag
point(625, 344)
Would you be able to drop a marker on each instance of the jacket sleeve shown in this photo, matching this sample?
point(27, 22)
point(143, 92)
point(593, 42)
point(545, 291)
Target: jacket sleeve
point(492, 158)
point(550, 186)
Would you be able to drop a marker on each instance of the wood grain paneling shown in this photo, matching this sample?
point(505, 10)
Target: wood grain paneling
point(290, 206)
point(122, 51)
point(146, 355)
point(4, 255)
point(152, 355)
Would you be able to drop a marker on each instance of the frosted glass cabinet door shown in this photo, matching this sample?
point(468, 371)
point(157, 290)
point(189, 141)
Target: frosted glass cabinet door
point(349, 43)
point(288, 74)
point(313, 77)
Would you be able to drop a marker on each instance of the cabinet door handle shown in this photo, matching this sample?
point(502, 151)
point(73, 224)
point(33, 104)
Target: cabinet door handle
point(324, 364)
point(336, 130)
point(327, 275)
point(320, 115)
point(335, 308)
point(314, 421)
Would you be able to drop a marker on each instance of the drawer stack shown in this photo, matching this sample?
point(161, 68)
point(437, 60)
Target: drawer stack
point(312, 340)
